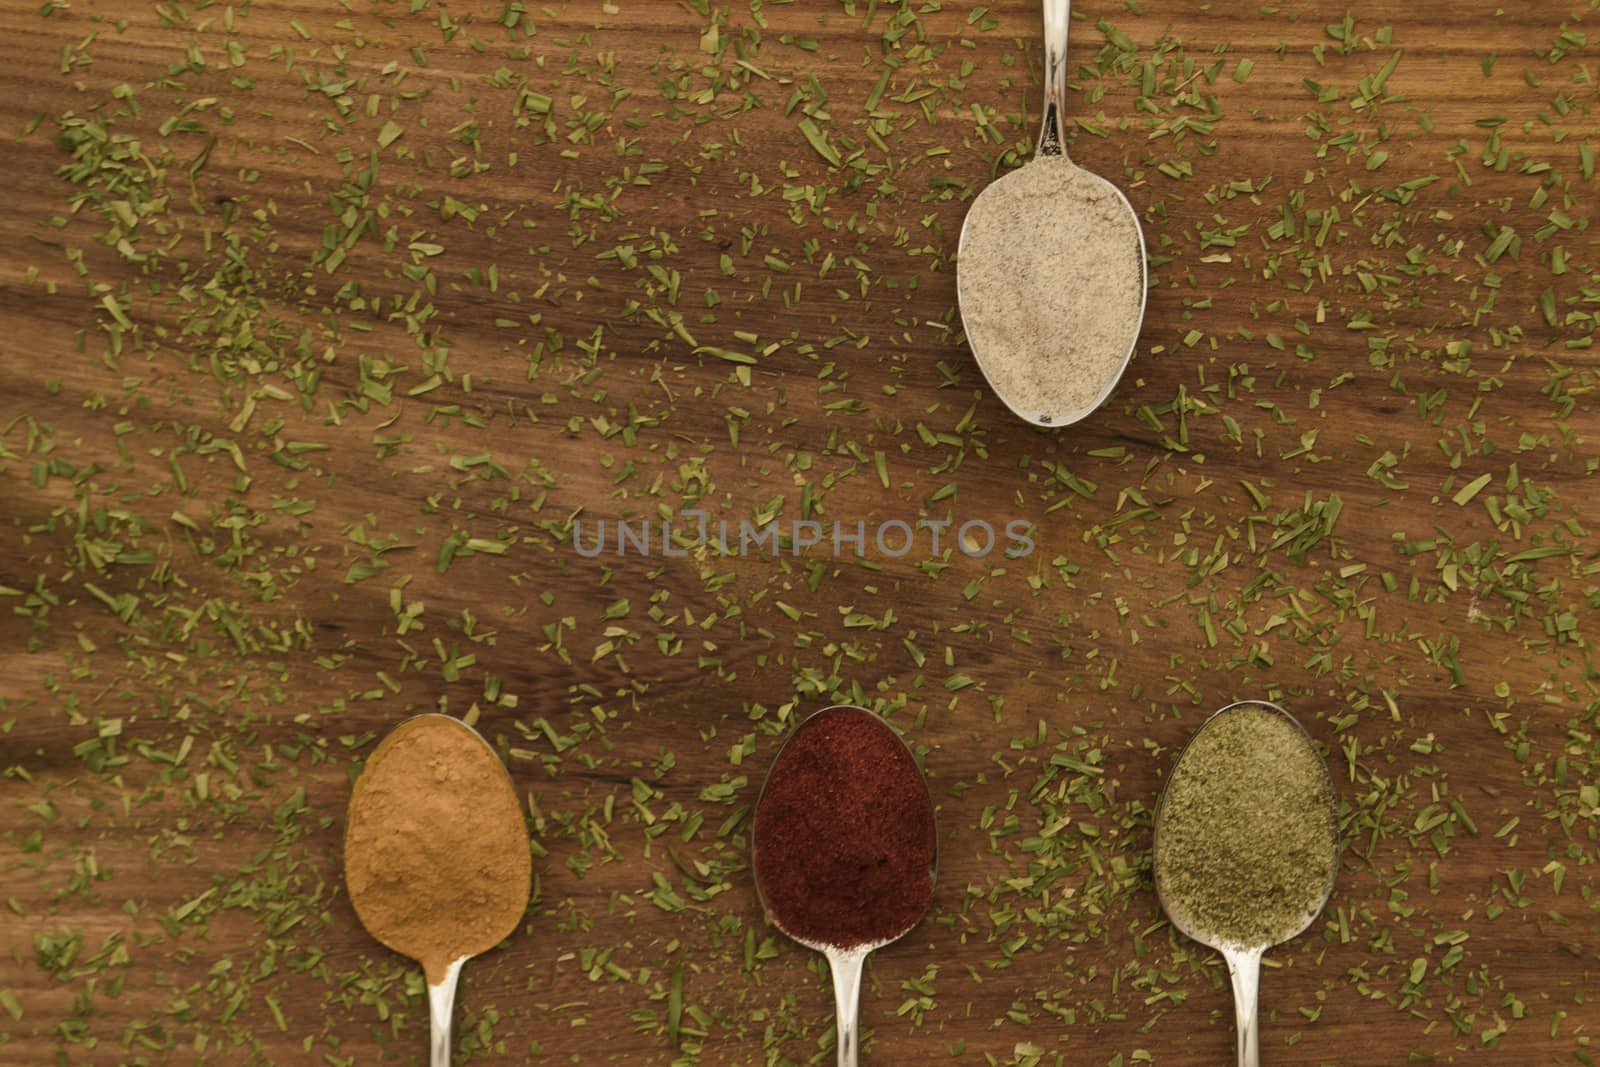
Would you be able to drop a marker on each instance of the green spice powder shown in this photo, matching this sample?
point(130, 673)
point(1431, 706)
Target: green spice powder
point(1245, 839)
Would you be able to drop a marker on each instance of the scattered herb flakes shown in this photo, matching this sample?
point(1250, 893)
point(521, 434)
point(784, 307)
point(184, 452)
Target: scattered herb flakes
point(351, 330)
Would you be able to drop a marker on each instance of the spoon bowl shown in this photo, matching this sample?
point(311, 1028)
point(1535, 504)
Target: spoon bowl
point(845, 962)
point(989, 307)
point(1243, 955)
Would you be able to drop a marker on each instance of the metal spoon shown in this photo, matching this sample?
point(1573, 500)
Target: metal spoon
point(441, 1006)
point(1244, 961)
point(844, 964)
point(442, 994)
point(1052, 143)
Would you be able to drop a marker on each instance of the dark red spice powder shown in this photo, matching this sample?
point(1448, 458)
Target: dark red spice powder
point(844, 835)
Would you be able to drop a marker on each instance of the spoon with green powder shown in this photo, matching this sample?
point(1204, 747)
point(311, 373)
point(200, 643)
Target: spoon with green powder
point(1050, 270)
point(1246, 844)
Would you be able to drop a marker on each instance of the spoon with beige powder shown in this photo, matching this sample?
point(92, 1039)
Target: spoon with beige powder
point(436, 854)
point(1050, 272)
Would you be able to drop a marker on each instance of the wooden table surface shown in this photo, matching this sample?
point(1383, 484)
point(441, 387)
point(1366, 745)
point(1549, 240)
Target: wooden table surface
point(326, 327)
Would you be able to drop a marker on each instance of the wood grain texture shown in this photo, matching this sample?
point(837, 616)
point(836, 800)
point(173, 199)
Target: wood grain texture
point(180, 728)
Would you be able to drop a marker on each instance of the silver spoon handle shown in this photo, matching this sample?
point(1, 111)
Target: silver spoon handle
point(845, 966)
point(1057, 14)
point(1244, 967)
point(441, 1005)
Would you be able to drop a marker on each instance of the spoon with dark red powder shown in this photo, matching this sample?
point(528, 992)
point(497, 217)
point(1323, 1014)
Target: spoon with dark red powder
point(844, 847)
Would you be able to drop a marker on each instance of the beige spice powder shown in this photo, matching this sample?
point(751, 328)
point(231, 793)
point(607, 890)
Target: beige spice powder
point(1052, 280)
